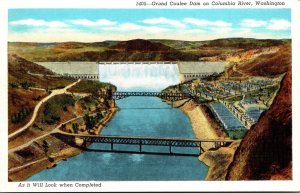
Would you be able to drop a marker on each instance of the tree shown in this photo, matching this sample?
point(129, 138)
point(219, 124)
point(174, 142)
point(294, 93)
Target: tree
point(45, 147)
point(109, 93)
point(75, 127)
point(99, 116)
point(14, 118)
point(14, 85)
point(88, 121)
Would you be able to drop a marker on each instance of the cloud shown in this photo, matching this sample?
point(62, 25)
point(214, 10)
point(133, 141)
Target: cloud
point(253, 23)
point(245, 30)
point(164, 21)
point(226, 32)
point(222, 29)
point(204, 22)
point(279, 24)
point(58, 30)
point(39, 23)
point(154, 28)
point(132, 27)
point(194, 31)
point(86, 22)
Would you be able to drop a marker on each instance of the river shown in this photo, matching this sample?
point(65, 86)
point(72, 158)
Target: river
point(138, 116)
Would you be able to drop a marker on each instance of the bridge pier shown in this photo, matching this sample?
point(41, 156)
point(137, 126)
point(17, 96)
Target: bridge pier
point(140, 146)
point(170, 148)
point(112, 146)
point(201, 150)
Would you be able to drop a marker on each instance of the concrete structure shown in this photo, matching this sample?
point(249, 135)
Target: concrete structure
point(78, 70)
point(138, 62)
point(94, 77)
point(197, 70)
point(90, 70)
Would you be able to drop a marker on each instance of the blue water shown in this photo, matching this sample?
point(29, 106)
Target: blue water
point(158, 119)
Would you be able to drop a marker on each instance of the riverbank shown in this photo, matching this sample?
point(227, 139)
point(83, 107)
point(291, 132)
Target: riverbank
point(59, 151)
point(203, 123)
point(206, 127)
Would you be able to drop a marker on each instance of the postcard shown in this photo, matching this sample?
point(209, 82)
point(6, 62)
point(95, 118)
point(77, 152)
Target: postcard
point(149, 95)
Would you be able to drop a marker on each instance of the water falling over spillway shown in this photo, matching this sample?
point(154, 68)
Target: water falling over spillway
point(139, 77)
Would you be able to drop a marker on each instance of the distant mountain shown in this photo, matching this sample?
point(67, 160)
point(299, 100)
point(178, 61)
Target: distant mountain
point(142, 46)
point(227, 43)
point(139, 49)
point(144, 50)
point(243, 43)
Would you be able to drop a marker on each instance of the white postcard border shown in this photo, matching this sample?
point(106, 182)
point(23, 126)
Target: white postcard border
point(6, 186)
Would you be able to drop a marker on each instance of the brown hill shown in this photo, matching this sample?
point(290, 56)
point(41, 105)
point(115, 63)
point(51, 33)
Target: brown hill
point(261, 62)
point(22, 75)
point(266, 150)
point(22, 71)
point(243, 43)
point(143, 50)
point(119, 55)
point(269, 64)
point(19, 66)
point(139, 49)
point(142, 46)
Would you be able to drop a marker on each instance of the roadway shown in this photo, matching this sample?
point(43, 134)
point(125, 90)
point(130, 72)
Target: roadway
point(38, 106)
point(55, 130)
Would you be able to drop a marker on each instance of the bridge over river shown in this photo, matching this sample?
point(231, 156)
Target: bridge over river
point(141, 141)
point(162, 95)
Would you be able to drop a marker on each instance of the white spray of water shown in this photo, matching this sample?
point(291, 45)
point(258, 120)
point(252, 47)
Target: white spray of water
point(139, 77)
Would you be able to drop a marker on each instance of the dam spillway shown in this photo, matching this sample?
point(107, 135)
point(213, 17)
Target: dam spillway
point(136, 76)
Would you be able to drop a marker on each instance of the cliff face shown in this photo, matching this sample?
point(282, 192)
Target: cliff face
point(269, 63)
point(266, 150)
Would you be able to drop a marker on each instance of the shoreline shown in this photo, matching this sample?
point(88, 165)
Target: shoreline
point(23, 172)
point(205, 126)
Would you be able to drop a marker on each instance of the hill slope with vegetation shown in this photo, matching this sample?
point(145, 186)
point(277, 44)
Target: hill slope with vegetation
point(26, 87)
point(261, 62)
point(140, 50)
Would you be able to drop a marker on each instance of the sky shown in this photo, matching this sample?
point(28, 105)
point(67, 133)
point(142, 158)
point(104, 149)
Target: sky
point(94, 25)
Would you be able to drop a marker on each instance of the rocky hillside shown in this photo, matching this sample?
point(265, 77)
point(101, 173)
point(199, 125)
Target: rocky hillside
point(139, 49)
point(142, 46)
point(23, 77)
point(261, 62)
point(144, 50)
point(266, 150)
point(29, 71)
point(19, 66)
point(243, 43)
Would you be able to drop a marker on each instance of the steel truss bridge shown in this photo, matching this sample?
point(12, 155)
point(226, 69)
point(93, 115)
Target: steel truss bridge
point(144, 141)
point(162, 95)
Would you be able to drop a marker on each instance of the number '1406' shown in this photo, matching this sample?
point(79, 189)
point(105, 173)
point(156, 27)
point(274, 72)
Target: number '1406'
point(141, 3)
